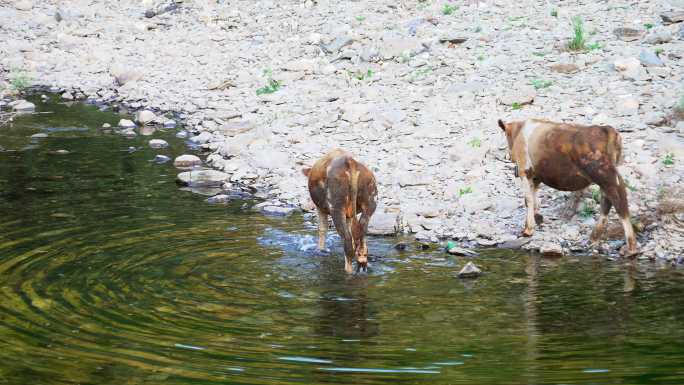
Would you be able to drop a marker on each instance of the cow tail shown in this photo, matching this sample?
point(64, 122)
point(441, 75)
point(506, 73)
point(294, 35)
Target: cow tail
point(354, 191)
point(616, 147)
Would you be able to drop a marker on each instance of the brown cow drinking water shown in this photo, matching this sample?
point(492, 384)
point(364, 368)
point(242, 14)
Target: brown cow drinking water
point(570, 157)
point(342, 187)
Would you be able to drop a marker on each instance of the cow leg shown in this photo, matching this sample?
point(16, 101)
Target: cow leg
point(530, 197)
point(322, 228)
point(622, 208)
point(600, 228)
point(538, 218)
point(613, 187)
point(340, 222)
point(367, 210)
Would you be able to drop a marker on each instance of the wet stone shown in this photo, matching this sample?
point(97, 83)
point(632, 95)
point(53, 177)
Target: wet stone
point(274, 209)
point(219, 199)
point(203, 178)
point(187, 161)
point(125, 123)
point(160, 159)
point(461, 251)
point(470, 270)
point(551, 250)
point(158, 143)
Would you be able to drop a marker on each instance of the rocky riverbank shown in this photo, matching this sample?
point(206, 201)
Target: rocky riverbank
point(412, 88)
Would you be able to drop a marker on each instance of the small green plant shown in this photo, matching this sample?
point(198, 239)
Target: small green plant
point(539, 54)
point(578, 41)
point(659, 51)
point(516, 106)
point(19, 80)
point(668, 159)
point(359, 75)
point(587, 210)
point(480, 57)
point(554, 12)
point(465, 190)
point(513, 19)
point(648, 26)
point(596, 194)
point(475, 143)
point(405, 56)
point(271, 86)
point(540, 83)
point(593, 46)
point(448, 9)
point(360, 18)
point(478, 29)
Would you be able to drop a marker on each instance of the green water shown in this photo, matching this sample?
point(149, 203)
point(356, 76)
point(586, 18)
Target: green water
point(109, 274)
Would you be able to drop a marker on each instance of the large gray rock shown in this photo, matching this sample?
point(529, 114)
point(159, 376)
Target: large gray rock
point(187, 161)
point(145, 117)
point(672, 17)
point(521, 96)
point(202, 138)
point(659, 35)
point(123, 76)
point(650, 59)
point(203, 178)
point(22, 106)
point(383, 223)
point(551, 250)
point(23, 5)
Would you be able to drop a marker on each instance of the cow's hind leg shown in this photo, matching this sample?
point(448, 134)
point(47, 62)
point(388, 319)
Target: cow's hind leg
point(538, 218)
point(322, 228)
point(530, 199)
point(340, 222)
point(613, 188)
point(603, 218)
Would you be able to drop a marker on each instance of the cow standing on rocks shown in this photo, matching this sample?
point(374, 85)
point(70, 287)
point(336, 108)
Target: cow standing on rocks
point(570, 157)
point(341, 187)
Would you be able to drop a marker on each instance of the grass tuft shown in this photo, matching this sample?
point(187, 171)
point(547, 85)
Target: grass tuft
point(19, 80)
point(578, 41)
point(587, 210)
point(448, 9)
point(271, 86)
point(541, 83)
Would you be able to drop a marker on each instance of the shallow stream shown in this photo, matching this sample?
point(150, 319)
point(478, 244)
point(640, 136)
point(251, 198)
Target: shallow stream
point(110, 274)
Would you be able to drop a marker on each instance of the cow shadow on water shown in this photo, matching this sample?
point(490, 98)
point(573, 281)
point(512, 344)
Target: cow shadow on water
point(345, 310)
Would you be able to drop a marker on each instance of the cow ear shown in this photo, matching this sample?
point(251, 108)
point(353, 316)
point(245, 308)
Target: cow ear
point(306, 171)
point(502, 125)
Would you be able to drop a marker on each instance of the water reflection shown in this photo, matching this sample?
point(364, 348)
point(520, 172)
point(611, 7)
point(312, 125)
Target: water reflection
point(110, 274)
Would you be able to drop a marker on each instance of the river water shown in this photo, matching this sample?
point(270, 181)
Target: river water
point(111, 274)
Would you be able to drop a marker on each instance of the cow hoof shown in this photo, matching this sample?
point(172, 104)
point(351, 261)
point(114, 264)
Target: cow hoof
point(539, 218)
point(526, 233)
